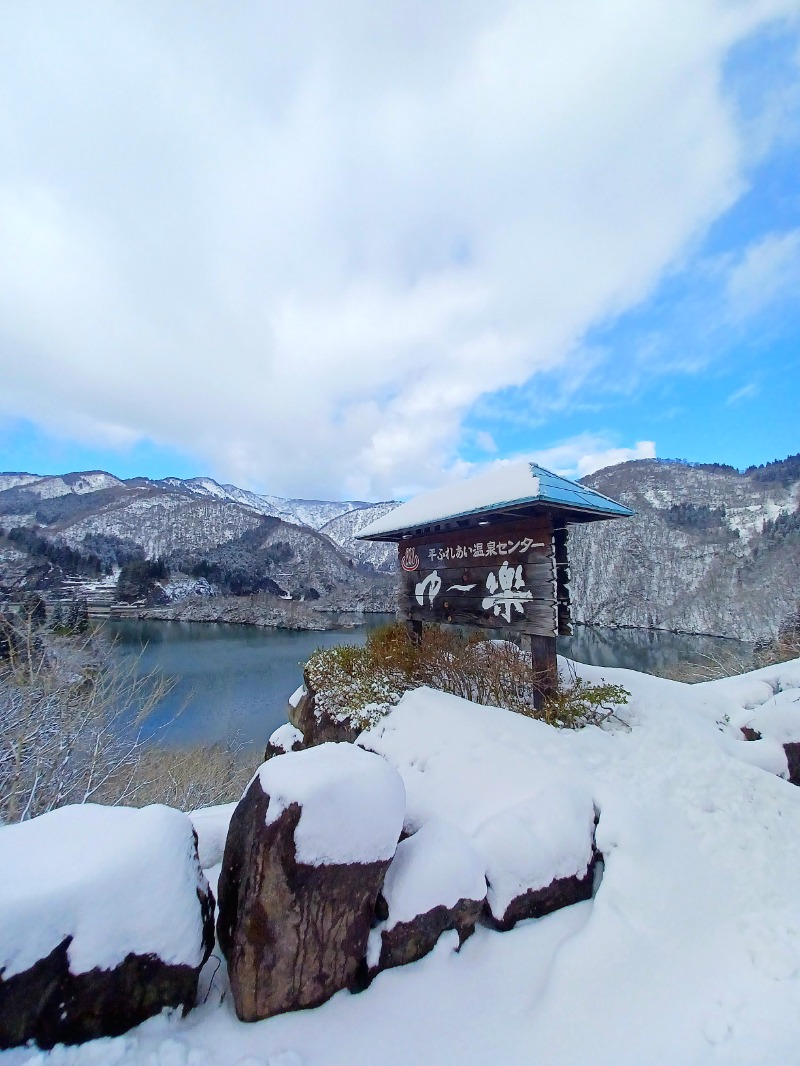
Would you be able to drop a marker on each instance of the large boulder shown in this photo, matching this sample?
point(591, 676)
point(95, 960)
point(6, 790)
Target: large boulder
point(305, 859)
point(539, 854)
point(105, 919)
point(778, 719)
point(516, 786)
point(435, 882)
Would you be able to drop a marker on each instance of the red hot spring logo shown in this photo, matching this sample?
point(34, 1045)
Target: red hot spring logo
point(410, 560)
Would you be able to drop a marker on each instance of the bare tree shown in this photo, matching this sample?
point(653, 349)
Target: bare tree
point(67, 734)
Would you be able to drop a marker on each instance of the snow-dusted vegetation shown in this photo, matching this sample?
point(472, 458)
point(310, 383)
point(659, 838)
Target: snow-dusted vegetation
point(709, 550)
point(356, 685)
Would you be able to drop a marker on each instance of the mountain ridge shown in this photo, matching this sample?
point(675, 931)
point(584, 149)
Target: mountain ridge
point(711, 549)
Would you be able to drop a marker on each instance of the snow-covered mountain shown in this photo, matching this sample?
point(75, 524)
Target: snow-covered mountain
point(344, 527)
point(13, 480)
point(241, 537)
point(313, 513)
point(50, 486)
point(710, 549)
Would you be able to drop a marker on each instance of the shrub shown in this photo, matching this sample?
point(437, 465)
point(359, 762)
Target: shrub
point(578, 704)
point(66, 733)
point(361, 684)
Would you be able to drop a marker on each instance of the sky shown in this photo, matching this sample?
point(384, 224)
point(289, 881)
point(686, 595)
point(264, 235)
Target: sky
point(355, 250)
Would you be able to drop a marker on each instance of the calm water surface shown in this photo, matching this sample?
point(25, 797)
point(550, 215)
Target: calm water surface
point(652, 651)
point(230, 681)
point(233, 681)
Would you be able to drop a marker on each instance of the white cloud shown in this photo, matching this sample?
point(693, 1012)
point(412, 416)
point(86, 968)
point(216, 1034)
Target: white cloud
point(485, 441)
point(573, 458)
point(767, 271)
point(302, 241)
point(746, 392)
point(588, 452)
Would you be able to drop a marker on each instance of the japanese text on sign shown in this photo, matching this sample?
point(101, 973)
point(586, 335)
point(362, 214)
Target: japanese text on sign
point(488, 550)
point(506, 591)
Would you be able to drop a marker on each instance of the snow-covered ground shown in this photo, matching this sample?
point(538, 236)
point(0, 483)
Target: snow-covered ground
point(689, 952)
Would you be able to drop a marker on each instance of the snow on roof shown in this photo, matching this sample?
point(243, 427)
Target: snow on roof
point(511, 485)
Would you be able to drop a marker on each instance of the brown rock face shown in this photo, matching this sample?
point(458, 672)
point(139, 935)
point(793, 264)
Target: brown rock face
point(316, 725)
point(50, 1005)
point(272, 749)
point(793, 759)
point(408, 941)
point(536, 903)
point(293, 934)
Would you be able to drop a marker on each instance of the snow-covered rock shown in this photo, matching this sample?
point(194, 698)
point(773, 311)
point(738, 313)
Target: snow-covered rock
point(529, 810)
point(286, 738)
point(211, 826)
point(435, 882)
point(352, 804)
point(304, 861)
point(316, 723)
point(539, 854)
point(765, 705)
point(105, 919)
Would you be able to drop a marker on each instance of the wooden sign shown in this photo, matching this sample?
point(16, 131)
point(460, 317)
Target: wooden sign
point(502, 575)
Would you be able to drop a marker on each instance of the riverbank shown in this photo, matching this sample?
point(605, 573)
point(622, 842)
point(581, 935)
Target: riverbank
point(271, 612)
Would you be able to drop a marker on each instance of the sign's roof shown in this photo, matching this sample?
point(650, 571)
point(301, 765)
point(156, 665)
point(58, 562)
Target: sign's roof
point(511, 487)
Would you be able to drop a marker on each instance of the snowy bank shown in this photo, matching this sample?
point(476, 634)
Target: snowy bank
point(687, 955)
point(105, 920)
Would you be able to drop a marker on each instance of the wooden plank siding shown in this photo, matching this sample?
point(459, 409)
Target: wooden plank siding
point(563, 602)
point(478, 560)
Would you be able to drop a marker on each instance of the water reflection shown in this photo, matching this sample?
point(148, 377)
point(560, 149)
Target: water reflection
point(676, 655)
point(230, 681)
point(233, 681)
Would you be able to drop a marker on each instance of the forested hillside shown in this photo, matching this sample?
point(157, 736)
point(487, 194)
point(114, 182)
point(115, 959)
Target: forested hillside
point(710, 549)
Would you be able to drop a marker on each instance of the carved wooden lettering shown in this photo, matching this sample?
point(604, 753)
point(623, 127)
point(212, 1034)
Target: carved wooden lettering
point(498, 576)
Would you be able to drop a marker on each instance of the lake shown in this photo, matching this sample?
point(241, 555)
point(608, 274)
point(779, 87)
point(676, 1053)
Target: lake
point(233, 681)
point(230, 681)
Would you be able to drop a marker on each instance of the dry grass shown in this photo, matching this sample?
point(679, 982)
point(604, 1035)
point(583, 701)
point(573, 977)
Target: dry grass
point(730, 663)
point(71, 731)
point(188, 778)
